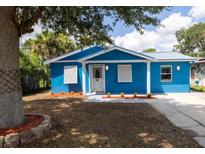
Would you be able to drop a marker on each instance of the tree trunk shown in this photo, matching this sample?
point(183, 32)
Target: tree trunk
point(11, 104)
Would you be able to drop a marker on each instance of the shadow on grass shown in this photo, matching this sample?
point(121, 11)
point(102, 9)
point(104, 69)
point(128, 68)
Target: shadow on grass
point(78, 124)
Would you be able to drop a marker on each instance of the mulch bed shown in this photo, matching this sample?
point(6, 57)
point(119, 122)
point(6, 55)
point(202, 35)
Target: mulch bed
point(129, 97)
point(79, 124)
point(31, 122)
point(69, 94)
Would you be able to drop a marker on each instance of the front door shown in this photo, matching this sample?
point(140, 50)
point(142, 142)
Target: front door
point(97, 78)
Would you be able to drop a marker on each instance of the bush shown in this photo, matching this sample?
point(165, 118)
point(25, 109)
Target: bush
point(122, 94)
point(34, 75)
point(109, 94)
point(198, 88)
point(149, 95)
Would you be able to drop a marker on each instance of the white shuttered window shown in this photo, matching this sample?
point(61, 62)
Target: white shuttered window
point(124, 73)
point(70, 74)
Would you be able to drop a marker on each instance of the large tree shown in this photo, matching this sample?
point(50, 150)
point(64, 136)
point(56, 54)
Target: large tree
point(75, 21)
point(191, 38)
point(150, 50)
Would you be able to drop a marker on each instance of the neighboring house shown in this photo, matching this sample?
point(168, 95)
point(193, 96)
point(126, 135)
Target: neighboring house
point(117, 69)
point(198, 72)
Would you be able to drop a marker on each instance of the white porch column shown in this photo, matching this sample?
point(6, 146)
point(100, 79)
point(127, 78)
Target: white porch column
point(83, 78)
point(148, 78)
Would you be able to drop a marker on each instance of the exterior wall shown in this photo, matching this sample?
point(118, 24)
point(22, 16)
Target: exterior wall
point(138, 83)
point(180, 79)
point(57, 78)
point(83, 53)
point(116, 55)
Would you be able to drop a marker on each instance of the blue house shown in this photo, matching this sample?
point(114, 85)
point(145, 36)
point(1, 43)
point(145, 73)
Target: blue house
point(96, 69)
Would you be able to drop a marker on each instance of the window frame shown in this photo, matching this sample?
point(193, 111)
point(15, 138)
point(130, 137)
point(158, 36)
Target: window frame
point(171, 73)
point(118, 73)
point(64, 74)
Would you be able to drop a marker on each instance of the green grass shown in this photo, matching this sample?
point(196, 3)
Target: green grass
point(198, 88)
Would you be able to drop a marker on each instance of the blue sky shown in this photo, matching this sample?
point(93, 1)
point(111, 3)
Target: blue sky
point(162, 38)
point(119, 31)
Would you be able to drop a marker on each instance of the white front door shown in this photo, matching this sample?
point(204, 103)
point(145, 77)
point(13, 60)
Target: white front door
point(97, 78)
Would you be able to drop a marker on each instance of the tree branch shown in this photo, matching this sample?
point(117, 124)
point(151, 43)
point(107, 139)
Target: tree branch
point(26, 24)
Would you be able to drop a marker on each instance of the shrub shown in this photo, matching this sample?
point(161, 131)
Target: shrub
point(122, 94)
point(149, 95)
point(108, 94)
point(135, 95)
point(198, 88)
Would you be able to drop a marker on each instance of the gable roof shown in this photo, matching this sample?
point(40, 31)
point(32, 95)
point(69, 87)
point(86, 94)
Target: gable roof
point(93, 51)
point(116, 48)
point(71, 53)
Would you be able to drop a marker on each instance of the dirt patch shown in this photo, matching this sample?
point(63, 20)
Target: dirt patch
point(31, 122)
point(78, 124)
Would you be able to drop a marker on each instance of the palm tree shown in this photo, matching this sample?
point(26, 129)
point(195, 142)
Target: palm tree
point(50, 44)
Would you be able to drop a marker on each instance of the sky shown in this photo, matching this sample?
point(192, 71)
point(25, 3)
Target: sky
point(161, 38)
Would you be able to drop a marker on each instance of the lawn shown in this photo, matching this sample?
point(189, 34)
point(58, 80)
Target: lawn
point(78, 124)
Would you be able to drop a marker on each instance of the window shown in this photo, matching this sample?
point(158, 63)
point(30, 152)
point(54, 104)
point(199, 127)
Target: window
point(166, 73)
point(70, 74)
point(124, 73)
point(97, 72)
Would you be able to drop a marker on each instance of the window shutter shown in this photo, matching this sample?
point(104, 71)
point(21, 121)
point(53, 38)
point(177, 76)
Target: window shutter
point(124, 73)
point(70, 74)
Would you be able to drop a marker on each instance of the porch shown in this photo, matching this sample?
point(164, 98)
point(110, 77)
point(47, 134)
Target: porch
point(101, 77)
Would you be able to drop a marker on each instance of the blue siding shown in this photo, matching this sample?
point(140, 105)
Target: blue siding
point(138, 77)
point(116, 55)
point(87, 79)
point(180, 79)
point(83, 53)
point(57, 78)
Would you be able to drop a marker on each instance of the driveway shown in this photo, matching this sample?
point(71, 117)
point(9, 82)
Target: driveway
point(186, 110)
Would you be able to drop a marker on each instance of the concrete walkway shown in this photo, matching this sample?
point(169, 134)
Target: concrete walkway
point(99, 98)
point(184, 110)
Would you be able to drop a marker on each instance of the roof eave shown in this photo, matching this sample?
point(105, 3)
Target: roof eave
point(117, 48)
point(65, 55)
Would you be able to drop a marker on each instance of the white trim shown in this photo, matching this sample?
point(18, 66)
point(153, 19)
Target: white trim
point(65, 55)
point(166, 73)
point(91, 73)
point(173, 60)
point(84, 78)
point(93, 55)
point(148, 78)
point(73, 68)
point(116, 61)
point(65, 61)
point(123, 61)
point(89, 69)
point(117, 48)
point(135, 53)
point(119, 74)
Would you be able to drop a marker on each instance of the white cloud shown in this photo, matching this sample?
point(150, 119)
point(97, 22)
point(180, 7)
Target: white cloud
point(37, 30)
point(162, 39)
point(197, 12)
